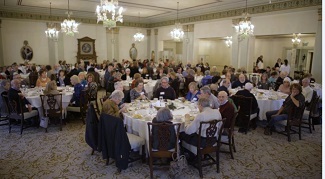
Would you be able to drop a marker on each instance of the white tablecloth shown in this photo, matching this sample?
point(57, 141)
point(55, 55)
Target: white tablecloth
point(139, 127)
point(35, 101)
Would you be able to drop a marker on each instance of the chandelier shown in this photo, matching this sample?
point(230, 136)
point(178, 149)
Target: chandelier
point(296, 39)
point(138, 37)
point(69, 26)
point(228, 41)
point(177, 33)
point(245, 27)
point(51, 31)
point(106, 8)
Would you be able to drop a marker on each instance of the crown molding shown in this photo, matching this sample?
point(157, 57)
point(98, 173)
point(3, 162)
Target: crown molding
point(279, 6)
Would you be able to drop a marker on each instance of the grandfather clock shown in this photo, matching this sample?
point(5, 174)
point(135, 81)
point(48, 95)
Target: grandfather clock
point(86, 50)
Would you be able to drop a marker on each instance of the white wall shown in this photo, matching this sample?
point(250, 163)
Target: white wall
point(125, 43)
point(14, 32)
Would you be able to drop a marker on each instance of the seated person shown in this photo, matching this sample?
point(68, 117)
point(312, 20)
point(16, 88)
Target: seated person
point(110, 106)
point(82, 79)
point(136, 77)
point(127, 76)
point(165, 90)
point(164, 115)
point(206, 93)
point(62, 79)
point(14, 94)
point(240, 82)
point(193, 92)
point(51, 88)
point(263, 84)
point(138, 91)
point(226, 108)
point(75, 100)
point(285, 87)
point(206, 114)
point(4, 87)
point(92, 86)
point(293, 103)
point(43, 79)
point(307, 91)
point(247, 93)
point(207, 79)
point(280, 79)
point(226, 84)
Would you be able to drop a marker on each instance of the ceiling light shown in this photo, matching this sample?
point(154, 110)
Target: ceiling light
point(177, 33)
point(69, 26)
point(228, 41)
point(107, 8)
point(51, 31)
point(296, 39)
point(245, 27)
point(138, 37)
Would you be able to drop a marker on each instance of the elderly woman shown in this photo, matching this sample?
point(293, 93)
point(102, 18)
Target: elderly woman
point(263, 84)
point(285, 87)
point(136, 77)
point(193, 92)
point(164, 115)
point(75, 81)
point(138, 91)
point(82, 78)
point(43, 79)
point(4, 87)
point(110, 106)
point(51, 88)
point(293, 104)
point(127, 76)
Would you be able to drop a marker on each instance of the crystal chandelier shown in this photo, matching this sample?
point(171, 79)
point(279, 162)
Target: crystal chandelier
point(228, 41)
point(69, 26)
point(177, 33)
point(245, 27)
point(107, 7)
point(296, 39)
point(51, 31)
point(138, 37)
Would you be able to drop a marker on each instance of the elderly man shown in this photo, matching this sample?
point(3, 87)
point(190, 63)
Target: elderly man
point(226, 108)
point(207, 79)
point(110, 106)
point(206, 93)
point(226, 84)
point(247, 93)
point(240, 82)
point(206, 114)
point(165, 90)
point(307, 91)
point(14, 94)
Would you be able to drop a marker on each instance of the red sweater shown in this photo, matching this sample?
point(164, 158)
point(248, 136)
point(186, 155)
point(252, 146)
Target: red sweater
point(227, 111)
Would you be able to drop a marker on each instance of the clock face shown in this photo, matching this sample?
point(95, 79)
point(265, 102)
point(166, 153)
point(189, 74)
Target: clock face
point(86, 48)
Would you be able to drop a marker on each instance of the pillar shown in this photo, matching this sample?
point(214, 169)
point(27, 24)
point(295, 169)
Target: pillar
point(188, 41)
point(112, 36)
point(316, 69)
point(148, 43)
point(156, 45)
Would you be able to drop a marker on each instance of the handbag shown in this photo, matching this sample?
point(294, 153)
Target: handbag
point(44, 122)
point(177, 165)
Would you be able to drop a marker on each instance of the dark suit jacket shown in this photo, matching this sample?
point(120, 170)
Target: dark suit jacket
point(114, 142)
point(247, 93)
point(13, 95)
point(91, 134)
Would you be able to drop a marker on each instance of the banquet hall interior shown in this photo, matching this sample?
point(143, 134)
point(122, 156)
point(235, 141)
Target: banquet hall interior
point(285, 29)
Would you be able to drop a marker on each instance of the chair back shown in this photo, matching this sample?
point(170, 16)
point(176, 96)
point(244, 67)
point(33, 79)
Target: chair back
point(232, 125)
point(92, 92)
point(52, 105)
point(314, 112)
point(162, 136)
point(244, 104)
point(295, 121)
point(12, 108)
point(214, 127)
point(33, 76)
point(84, 101)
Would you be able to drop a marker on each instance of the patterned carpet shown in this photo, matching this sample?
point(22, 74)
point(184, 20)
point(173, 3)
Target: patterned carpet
point(65, 154)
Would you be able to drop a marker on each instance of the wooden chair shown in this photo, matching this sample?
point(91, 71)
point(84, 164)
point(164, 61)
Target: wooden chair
point(114, 141)
point(82, 109)
point(92, 96)
point(52, 107)
point(213, 143)
point(20, 116)
point(293, 122)
point(312, 113)
point(163, 139)
point(229, 139)
point(244, 105)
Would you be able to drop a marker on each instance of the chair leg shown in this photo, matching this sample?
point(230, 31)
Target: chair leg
point(9, 125)
point(309, 124)
point(230, 148)
point(143, 156)
point(97, 107)
point(21, 126)
point(199, 158)
point(300, 131)
point(61, 123)
point(151, 167)
point(288, 133)
point(233, 144)
point(217, 161)
point(92, 152)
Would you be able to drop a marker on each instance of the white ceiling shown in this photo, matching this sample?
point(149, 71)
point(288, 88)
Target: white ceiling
point(151, 11)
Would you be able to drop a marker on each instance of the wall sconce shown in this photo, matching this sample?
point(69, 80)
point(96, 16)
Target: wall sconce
point(228, 41)
point(296, 39)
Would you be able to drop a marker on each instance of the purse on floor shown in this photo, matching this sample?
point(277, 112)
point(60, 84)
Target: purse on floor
point(44, 122)
point(177, 165)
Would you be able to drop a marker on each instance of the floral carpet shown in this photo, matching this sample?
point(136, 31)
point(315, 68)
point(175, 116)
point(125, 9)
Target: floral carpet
point(64, 154)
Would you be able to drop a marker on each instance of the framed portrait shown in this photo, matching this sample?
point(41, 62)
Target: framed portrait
point(133, 52)
point(86, 49)
point(26, 52)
